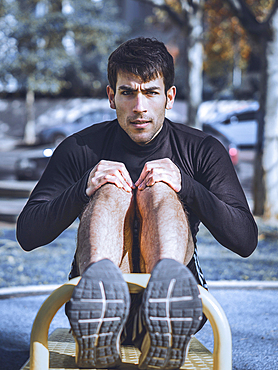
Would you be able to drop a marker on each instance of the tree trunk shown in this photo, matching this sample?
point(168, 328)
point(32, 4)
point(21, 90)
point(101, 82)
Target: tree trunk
point(30, 128)
point(195, 65)
point(270, 156)
point(259, 179)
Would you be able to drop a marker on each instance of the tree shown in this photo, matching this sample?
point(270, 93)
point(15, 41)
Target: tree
point(270, 152)
point(260, 19)
point(226, 44)
point(49, 38)
point(187, 16)
point(258, 26)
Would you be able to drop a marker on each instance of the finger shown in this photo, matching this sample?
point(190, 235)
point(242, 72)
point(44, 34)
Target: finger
point(96, 183)
point(163, 170)
point(154, 177)
point(111, 165)
point(157, 164)
point(104, 174)
point(147, 181)
point(125, 174)
point(141, 179)
point(115, 177)
point(118, 181)
point(147, 174)
point(146, 169)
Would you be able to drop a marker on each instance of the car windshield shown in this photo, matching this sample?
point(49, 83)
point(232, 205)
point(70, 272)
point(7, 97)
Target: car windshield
point(239, 117)
point(95, 117)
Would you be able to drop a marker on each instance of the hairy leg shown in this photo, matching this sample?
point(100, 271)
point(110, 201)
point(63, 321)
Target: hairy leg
point(164, 227)
point(105, 229)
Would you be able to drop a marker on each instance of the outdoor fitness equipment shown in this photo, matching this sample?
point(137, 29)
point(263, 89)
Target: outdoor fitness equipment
point(58, 351)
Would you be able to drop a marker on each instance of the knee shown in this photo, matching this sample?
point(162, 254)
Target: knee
point(111, 196)
point(153, 196)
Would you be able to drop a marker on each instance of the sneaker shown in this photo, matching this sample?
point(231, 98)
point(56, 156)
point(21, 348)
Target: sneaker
point(97, 311)
point(171, 312)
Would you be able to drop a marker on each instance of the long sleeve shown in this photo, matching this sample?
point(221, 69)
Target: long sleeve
point(58, 198)
point(215, 196)
point(210, 190)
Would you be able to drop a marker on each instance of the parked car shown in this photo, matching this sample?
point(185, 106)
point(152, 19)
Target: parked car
point(231, 148)
point(31, 164)
point(55, 134)
point(237, 120)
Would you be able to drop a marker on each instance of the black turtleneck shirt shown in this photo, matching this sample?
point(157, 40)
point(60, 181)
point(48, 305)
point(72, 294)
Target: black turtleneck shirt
point(211, 192)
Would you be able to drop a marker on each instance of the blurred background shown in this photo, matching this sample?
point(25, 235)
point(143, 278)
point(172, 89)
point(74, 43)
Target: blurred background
point(53, 58)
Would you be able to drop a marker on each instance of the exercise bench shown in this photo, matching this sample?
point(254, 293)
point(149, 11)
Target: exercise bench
point(58, 351)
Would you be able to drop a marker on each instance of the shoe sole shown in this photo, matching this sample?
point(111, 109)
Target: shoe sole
point(172, 313)
point(97, 312)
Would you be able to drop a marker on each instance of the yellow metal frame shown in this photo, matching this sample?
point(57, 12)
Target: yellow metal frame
point(39, 353)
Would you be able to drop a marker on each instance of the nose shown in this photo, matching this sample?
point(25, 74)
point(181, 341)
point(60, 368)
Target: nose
point(139, 104)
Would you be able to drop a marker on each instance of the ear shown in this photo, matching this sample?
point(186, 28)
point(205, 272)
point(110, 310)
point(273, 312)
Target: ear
point(171, 93)
point(111, 96)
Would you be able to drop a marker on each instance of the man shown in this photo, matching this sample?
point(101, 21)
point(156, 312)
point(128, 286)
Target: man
point(142, 185)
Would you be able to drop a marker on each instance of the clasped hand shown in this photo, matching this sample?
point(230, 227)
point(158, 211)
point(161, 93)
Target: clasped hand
point(160, 170)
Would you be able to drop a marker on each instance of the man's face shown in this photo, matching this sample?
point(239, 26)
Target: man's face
point(140, 106)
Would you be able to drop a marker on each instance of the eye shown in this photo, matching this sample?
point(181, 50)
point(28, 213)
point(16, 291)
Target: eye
point(152, 92)
point(127, 92)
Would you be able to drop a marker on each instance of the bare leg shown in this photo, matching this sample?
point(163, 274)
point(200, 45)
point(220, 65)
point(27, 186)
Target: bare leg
point(171, 309)
point(164, 231)
point(105, 229)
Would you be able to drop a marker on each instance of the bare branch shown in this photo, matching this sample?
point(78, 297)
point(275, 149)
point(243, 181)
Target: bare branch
point(179, 19)
point(248, 19)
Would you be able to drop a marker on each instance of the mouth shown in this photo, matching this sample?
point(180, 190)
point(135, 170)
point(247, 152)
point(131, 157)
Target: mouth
point(140, 123)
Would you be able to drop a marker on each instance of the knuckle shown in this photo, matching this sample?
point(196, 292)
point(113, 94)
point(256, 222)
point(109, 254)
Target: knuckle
point(107, 177)
point(101, 162)
point(98, 167)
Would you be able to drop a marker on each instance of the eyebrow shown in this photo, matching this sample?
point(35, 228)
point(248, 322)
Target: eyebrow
point(129, 88)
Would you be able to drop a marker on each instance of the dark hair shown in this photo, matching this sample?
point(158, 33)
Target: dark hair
point(144, 57)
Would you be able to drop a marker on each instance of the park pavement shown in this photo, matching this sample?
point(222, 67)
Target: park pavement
point(247, 289)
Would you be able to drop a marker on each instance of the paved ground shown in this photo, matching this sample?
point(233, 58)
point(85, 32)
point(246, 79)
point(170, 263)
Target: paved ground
point(252, 313)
